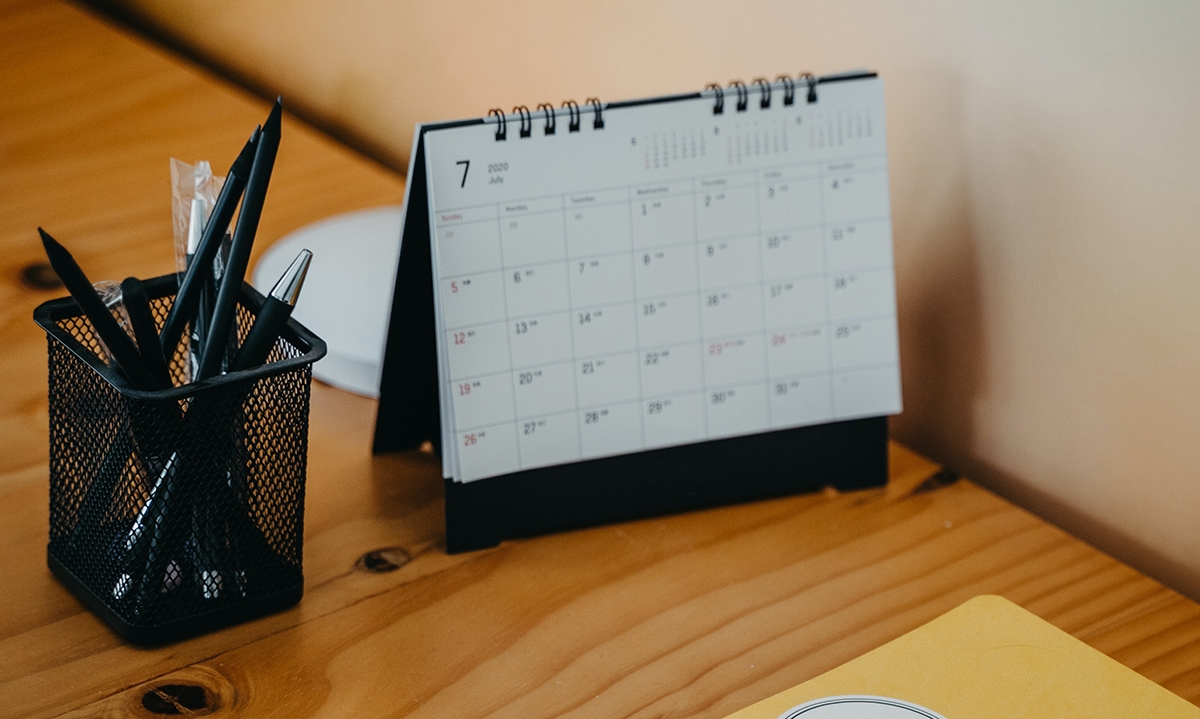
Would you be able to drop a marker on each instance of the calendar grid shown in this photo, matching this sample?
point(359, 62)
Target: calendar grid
point(761, 333)
point(669, 395)
point(700, 306)
point(507, 339)
point(828, 290)
point(797, 228)
point(743, 285)
point(790, 328)
point(574, 357)
point(636, 303)
point(762, 300)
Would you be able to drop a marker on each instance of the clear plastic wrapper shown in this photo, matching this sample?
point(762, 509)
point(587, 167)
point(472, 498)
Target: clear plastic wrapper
point(110, 293)
point(193, 187)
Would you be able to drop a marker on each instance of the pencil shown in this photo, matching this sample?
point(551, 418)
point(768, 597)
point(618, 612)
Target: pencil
point(243, 239)
point(138, 307)
point(124, 354)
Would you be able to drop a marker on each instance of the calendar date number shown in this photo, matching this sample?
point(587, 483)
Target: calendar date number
point(523, 327)
point(526, 377)
point(782, 388)
point(586, 318)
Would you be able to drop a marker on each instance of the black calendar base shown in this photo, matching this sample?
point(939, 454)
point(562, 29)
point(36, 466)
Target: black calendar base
point(846, 455)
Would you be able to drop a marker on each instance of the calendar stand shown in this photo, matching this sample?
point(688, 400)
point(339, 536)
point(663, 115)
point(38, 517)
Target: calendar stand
point(408, 395)
point(789, 358)
point(845, 454)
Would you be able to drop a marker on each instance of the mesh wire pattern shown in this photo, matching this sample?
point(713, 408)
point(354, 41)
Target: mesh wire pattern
point(182, 510)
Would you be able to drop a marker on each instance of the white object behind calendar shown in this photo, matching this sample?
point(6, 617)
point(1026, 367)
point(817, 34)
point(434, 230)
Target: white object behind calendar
point(345, 294)
point(673, 277)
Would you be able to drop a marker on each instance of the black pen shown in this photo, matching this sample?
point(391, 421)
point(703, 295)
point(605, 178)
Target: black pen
point(122, 349)
point(184, 307)
point(273, 315)
point(243, 239)
point(208, 295)
point(155, 539)
point(137, 305)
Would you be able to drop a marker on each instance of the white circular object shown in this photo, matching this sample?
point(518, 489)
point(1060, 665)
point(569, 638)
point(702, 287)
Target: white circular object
point(859, 707)
point(347, 296)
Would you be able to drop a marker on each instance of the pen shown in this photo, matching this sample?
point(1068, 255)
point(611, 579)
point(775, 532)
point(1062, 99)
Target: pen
point(156, 538)
point(125, 355)
point(243, 240)
point(208, 295)
point(218, 272)
point(224, 543)
point(189, 289)
point(273, 315)
point(196, 223)
point(137, 305)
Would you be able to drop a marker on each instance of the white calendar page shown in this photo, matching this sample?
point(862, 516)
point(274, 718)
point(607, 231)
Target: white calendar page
point(674, 277)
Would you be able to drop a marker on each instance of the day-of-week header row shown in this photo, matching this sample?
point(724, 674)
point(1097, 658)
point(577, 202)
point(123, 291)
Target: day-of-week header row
point(664, 189)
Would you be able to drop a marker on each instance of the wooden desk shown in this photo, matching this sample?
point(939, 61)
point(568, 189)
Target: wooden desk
point(692, 615)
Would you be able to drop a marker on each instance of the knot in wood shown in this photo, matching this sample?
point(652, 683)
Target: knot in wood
point(379, 561)
point(177, 699)
point(944, 477)
point(40, 276)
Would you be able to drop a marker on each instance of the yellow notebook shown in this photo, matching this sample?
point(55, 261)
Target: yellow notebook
point(987, 659)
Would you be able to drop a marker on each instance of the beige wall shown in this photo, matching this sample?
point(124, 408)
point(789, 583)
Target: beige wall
point(1046, 196)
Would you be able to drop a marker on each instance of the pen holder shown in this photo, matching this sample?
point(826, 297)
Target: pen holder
point(178, 511)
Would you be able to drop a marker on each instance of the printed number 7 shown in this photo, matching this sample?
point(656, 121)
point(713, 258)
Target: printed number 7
point(466, 169)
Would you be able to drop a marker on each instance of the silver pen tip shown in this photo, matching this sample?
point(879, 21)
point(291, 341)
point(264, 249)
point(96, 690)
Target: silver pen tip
point(196, 222)
point(287, 289)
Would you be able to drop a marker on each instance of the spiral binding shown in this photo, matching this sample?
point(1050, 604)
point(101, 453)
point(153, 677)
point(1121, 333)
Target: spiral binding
point(551, 119)
point(575, 113)
point(526, 120)
point(812, 86)
point(501, 124)
point(764, 92)
point(718, 98)
point(574, 118)
point(598, 123)
point(743, 94)
point(789, 89)
point(572, 115)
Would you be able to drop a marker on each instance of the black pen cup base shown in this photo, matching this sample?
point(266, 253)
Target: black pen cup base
point(182, 628)
point(179, 511)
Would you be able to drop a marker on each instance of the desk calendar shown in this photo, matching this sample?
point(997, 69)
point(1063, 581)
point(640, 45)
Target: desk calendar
point(609, 301)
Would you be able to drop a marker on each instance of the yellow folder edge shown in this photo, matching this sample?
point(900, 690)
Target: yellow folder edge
point(990, 659)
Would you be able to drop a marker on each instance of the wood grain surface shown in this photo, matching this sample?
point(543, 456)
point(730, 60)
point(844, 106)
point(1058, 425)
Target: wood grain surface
point(690, 615)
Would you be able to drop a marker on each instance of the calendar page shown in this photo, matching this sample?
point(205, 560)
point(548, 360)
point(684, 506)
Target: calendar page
point(673, 277)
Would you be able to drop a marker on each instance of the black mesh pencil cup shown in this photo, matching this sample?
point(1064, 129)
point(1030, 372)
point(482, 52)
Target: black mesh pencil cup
point(178, 511)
